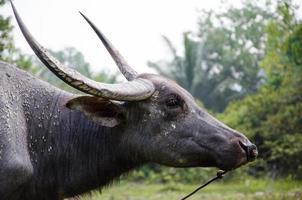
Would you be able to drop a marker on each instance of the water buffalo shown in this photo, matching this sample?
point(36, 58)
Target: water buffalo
point(54, 144)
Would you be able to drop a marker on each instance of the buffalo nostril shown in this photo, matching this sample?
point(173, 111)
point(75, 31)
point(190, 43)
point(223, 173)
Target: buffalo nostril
point(253, 151)
point(250, 149)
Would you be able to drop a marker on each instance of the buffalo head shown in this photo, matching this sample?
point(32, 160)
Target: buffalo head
point(159, 121)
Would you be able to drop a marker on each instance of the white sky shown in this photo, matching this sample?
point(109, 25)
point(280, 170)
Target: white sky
point(133, 26)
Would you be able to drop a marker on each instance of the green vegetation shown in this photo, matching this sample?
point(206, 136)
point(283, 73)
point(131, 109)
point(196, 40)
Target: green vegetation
point(273, 116)
point(6, 40)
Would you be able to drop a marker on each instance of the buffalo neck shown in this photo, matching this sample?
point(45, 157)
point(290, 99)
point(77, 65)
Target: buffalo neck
point(69, 152)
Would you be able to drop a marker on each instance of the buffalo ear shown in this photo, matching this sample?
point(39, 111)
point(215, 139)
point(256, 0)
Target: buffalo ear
point(100, 110)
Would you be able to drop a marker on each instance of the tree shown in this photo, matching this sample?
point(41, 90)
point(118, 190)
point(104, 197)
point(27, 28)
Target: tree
point(8, 52)
point(181, 69)
point(273, 115)
point(6, 40)
point(220, 62)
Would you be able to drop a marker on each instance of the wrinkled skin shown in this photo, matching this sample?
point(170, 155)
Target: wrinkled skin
point(54, 144)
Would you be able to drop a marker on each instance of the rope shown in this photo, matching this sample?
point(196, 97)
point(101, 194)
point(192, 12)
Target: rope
point(219, 175)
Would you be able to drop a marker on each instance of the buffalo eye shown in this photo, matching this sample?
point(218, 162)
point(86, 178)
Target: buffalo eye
point(174, 101)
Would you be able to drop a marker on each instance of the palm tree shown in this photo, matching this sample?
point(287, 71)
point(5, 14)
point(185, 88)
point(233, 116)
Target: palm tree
point(182, 69)
point(188, 70)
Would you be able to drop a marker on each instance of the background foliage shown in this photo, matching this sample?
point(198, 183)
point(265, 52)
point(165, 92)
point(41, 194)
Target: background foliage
point(273, 116)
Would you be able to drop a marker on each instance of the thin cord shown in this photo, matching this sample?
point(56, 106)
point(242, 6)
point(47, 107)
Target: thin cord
point(219, 175)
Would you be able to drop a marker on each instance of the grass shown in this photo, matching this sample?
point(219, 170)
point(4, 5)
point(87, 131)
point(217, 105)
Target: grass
point(249, 189)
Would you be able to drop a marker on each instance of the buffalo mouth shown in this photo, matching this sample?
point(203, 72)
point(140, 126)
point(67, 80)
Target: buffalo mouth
point(239, 155)
point(236, 162)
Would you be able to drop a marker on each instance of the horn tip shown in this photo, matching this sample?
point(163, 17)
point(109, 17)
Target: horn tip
point(83, 15)
point(15, 12)
point(12, 4)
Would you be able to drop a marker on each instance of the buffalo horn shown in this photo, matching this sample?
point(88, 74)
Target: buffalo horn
point(126, 70)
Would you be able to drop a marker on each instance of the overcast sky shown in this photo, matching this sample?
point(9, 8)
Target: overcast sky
point(133, 26)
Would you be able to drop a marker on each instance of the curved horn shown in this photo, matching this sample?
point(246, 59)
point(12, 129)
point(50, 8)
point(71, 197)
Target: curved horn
point(135, 90)
point(126, 70)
